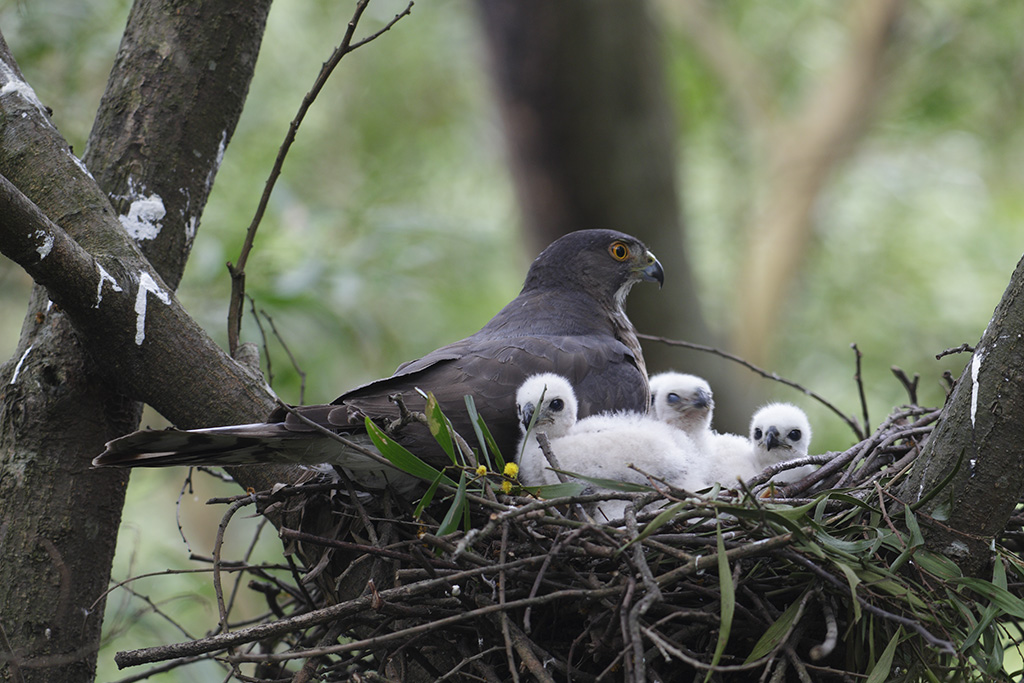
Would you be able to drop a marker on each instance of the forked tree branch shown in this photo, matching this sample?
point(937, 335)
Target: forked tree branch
point(237, 269)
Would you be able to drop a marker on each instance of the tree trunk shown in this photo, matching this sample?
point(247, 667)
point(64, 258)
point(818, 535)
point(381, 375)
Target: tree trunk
point(591, 139)
point(970, 475)
point(173, 99)
point(800, 157)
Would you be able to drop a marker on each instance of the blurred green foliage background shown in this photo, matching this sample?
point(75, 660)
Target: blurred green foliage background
point(393, 229)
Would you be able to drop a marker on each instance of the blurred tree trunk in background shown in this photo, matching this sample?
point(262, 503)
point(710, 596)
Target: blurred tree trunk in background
point(793, 155)
point(591, 140)
point(160, 132)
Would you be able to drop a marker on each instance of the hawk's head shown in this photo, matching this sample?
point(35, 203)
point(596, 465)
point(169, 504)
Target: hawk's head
point(603, 263)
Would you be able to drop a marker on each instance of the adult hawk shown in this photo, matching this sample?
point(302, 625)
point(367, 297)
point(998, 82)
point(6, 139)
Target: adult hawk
point(568, 319)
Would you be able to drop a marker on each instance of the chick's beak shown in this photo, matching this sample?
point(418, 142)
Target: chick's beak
point(702, 399)
point(771, 438)
point(526, 415)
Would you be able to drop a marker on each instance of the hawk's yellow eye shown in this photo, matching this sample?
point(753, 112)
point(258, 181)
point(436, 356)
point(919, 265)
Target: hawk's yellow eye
point(619, 251)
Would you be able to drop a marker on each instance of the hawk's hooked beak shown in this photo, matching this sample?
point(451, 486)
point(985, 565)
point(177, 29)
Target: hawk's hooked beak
point(771, 439)
point(653, 272)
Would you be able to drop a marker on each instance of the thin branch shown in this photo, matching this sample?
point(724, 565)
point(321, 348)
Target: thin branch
point(237, 270)
point(291, 357)
point(909, 384)
point(269, 374)
point(859, 378)
point(963, 348)
point(217, 547)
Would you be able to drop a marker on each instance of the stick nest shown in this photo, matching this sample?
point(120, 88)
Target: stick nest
point(827, 579)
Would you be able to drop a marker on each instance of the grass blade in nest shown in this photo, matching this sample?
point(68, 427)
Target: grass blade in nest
point(440, 428)
point(548, 491)
point(728, 599)
point(775, 633)
point(880, 671)
point(484, 437)
point(402, 458)
point(610, 484)
point(451, 520)
point(427, 497)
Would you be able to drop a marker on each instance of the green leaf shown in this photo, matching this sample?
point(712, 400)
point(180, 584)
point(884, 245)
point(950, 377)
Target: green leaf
point(880, 671)
point(440, 428)
point(913, 540)
point(853, 580)
point(401, 458)
point(427, 497)
point(849, 549)
point(937, 565)
point(999, 574)
point(789, 512)
point(998, 596)
point(610, 484)
point(664, 517)
point(916, 538)
point(451, 520)
point(548, 491)
point(772, 638)
point(728, 599)
point(484, 438)
point(883, 537)
point(852, 501)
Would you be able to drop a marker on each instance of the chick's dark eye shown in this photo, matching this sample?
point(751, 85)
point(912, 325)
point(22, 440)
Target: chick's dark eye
point(619, 251)
point(794, 435)
point(557, 404)
point(672, 398)
point(757, 434)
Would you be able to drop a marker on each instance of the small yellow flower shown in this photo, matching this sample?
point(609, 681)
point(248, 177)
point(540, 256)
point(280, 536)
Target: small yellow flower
point(506, 486)
point(481, 471)
point(511, 470)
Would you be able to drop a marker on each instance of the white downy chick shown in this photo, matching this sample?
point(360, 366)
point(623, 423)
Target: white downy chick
point(780, 432)
point(687, 403)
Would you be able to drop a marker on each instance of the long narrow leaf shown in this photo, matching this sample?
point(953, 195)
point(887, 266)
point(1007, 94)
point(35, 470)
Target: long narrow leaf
point(663, 518)
point(451, 520)
point(610, 484)
point(880, 671)
point(1000, 597)
point(402, 458)
point(853, 580)
point(772, 637)
point(427, 497)
point(440, 429)
point(937, 565)
point(728, 601)
point(548, 491)
point(478, 428)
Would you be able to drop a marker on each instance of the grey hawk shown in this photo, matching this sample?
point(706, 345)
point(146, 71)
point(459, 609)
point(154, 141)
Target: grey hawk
point(569, 319)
